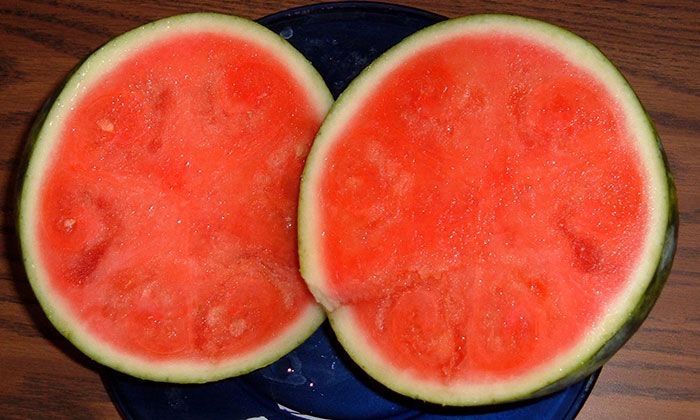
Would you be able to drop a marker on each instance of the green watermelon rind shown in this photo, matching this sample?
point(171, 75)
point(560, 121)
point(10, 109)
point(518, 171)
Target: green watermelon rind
point(43, 135)
point(627, 311)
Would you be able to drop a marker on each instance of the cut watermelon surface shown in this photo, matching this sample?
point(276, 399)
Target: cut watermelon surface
point(158, 211)
point(486, 213)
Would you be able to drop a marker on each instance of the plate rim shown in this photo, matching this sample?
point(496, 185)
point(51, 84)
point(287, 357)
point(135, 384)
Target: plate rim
point(341, 6)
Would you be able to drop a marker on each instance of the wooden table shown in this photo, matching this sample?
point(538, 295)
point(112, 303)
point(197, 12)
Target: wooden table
point(657, 47)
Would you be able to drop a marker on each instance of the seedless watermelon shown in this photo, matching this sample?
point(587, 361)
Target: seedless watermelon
point(486, 212)
point(158, 210)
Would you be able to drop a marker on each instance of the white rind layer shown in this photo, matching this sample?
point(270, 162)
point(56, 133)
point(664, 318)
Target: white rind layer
point(582, 54)
point(80, 82)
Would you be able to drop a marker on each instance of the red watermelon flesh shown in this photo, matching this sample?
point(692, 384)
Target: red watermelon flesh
point(481, 209)
point(167, 215)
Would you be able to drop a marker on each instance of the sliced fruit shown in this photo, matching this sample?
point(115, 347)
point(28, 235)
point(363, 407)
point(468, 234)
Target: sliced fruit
point(158, 210)
point(486, 213)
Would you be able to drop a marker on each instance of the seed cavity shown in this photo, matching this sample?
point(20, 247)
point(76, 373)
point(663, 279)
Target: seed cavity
point(105, 125)
point(68, 224)
point(238, 327)
point(214, 315)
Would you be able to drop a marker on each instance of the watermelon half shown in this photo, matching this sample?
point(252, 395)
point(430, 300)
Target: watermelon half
point(157, 216)
point(486, 212)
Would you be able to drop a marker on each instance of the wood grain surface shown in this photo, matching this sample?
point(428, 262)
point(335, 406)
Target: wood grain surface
point(656, 45)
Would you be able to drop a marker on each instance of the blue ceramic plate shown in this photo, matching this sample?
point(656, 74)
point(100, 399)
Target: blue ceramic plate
point(318, 379)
